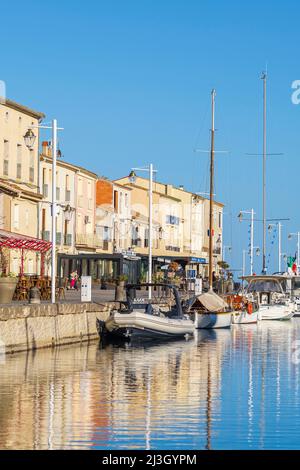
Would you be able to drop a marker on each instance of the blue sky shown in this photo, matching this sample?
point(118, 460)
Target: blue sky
point(130, 82)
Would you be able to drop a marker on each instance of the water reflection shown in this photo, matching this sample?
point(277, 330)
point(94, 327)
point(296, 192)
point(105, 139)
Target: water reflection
point(223, 389)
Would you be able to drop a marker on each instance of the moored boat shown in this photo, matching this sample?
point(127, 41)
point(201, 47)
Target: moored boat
point(159, 318)
point(243, 310)
point(274, 303)
point(209, 310)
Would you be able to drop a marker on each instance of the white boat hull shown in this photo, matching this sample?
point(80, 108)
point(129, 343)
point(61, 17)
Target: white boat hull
point(213, 320)
point(243, 317)
point(277, 312)
point(141, 324)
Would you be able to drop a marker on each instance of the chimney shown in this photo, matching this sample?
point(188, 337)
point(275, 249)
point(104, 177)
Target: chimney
point(181, 187)
point(46, 148)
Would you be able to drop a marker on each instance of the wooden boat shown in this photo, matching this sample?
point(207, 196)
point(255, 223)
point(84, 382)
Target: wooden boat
point(244, 311)
point(160, 318)
point(209, 310)
point(274, 303)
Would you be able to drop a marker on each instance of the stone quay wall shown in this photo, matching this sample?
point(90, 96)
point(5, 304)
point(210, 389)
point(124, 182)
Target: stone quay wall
point(29, 327)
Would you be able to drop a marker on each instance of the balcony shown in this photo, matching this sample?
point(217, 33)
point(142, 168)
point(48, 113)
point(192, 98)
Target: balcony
point(173, 248)
point(92, 241)
point(86, 240)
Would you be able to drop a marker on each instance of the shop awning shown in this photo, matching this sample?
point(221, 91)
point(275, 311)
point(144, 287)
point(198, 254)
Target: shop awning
point(23, 242)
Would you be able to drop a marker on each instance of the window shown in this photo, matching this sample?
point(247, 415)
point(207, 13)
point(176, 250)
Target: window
point(172, 220)
point(89, 190)
point(31, 166)
point(68, 192)
point(220, 219)
point(146, 238)
point(116, 201)
point(106, 234)
point(30, 266)
point(16, 216)
point(6, 157)
point(135, 240)
point(121, 201)
point(6, 116)
point(126, 200)
point(44, 183)
point(19, 161)
point(43, 219)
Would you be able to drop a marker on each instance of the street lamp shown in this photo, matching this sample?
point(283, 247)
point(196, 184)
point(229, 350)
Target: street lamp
point(290, 236)
point(29, 139)
point(132, 179)
point(240, 217)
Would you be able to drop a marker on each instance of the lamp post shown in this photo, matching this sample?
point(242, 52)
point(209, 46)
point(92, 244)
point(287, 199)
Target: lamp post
point(29, 139)
point(132, 179)
point(240, 216)
point(290, 236)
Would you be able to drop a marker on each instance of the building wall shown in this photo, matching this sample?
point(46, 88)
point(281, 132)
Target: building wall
point(85, 190)
point(104, 216)
point(122, 218)
point(180, 219)
point(65, 197)
point(13, 125)
point(19, 169)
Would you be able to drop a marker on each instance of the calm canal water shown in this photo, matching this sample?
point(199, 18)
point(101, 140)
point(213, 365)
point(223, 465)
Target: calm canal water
point(235, 389)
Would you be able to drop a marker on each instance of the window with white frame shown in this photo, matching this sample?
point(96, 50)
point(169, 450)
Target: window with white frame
point(5, 158)
point(31, 165)
point(19, 161)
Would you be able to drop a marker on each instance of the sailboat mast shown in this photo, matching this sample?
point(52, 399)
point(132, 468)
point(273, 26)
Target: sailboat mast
point(264, 78)
point(211, 199)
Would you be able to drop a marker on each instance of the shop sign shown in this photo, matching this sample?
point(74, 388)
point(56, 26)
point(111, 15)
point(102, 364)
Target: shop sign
point(198, 260)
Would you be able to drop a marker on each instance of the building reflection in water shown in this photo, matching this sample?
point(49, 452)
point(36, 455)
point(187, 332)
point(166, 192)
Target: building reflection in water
point(222, 389)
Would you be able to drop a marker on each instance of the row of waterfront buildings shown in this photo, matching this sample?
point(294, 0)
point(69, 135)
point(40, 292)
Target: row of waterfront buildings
point(102, 226)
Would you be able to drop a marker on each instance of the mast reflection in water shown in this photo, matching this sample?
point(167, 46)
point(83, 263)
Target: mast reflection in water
point(222, 390)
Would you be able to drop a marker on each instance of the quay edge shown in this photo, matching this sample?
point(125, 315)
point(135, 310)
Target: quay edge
point(30, 327)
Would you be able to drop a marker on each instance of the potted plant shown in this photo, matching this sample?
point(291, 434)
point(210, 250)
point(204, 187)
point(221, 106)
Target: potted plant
point(8, 281)
point(121, 280)
point(120, 287)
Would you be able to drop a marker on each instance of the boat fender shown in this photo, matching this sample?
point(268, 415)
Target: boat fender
point(250, 308)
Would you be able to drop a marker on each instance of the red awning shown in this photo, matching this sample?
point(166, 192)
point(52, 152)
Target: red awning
point(23, 242)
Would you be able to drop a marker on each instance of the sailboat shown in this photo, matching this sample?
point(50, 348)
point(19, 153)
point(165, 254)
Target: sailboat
point(274, 304)
point(209, 309)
